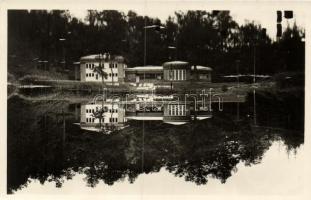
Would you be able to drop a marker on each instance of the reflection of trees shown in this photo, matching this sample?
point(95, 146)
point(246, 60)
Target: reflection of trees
point(196, 151)
point(34, 144)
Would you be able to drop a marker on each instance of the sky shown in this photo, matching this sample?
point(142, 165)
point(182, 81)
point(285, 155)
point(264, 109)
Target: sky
point(266, 18)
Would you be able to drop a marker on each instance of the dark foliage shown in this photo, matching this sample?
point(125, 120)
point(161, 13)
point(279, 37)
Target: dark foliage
point(203, 38)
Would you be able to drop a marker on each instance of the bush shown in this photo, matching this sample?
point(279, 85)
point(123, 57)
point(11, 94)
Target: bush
point(224, 88)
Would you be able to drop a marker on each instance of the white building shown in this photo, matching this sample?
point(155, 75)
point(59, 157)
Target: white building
point(113, 116)
point(112, 66)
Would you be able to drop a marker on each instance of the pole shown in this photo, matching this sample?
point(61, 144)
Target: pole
point(145, 46)
point(238, 79)
point(255, 117)
point(102, 75)
point(64, 129)
point(254, 78)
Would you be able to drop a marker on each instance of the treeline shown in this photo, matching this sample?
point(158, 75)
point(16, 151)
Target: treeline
point(203, 38)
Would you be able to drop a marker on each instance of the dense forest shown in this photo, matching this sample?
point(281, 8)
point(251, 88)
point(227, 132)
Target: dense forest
point(54, 40)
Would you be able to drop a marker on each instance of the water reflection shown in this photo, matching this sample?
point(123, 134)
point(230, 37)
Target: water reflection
point(112, 114)
point(54, 140)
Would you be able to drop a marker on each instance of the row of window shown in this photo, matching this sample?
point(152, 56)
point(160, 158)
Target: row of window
point(89, 110)
point(89, 74)
point(113, 120)
point(113, 74)
point(92, 65)
point(96, 75)
point(91, 120)
point(113, 110)
point(176, 110)
point(110, 110)
point(177, 74)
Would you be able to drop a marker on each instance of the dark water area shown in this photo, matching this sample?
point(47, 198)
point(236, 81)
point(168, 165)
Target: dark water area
point(46, 143)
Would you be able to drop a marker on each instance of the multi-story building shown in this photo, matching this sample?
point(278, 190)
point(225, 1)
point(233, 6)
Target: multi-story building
point(117, 113)
point(113, 116)
point(117, 72)
point(112, 66)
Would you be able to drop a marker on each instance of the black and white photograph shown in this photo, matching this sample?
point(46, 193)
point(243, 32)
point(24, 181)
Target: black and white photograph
point(163, 100)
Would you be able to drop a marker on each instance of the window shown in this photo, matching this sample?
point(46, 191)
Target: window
point(116, 75)
point(93, 119)
point(116, 120)
point(110, 74)
point(92, 74)
point(180, 110)
point(86, 75)
point(175, 110)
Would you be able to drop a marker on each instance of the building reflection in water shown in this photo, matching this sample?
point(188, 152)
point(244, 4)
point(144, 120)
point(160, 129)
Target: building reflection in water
point(169, 109)
point(197, 151)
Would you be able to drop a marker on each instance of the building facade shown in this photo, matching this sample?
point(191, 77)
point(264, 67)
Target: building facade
point(117, 72)
point(144, 74)
point(117, 113)
point(114, 116)
point(176, 71)
point(112, 66)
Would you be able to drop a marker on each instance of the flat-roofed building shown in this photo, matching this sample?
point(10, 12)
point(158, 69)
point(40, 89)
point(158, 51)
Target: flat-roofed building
point(176, 71)
point(113, 116)
point(112, 66)
point(174, 113)
point(117, 72)
point(144, 74)
point(201, 73)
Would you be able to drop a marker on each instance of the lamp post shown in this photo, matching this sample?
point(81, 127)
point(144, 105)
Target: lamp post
point(156, 27)
point(62, 40)
point(172, 48)
point(238, 86)
point(44, 63)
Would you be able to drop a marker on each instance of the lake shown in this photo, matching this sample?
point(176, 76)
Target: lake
point(154, 144)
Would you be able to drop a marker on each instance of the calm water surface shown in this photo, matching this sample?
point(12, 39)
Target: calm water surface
point(52, 148)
